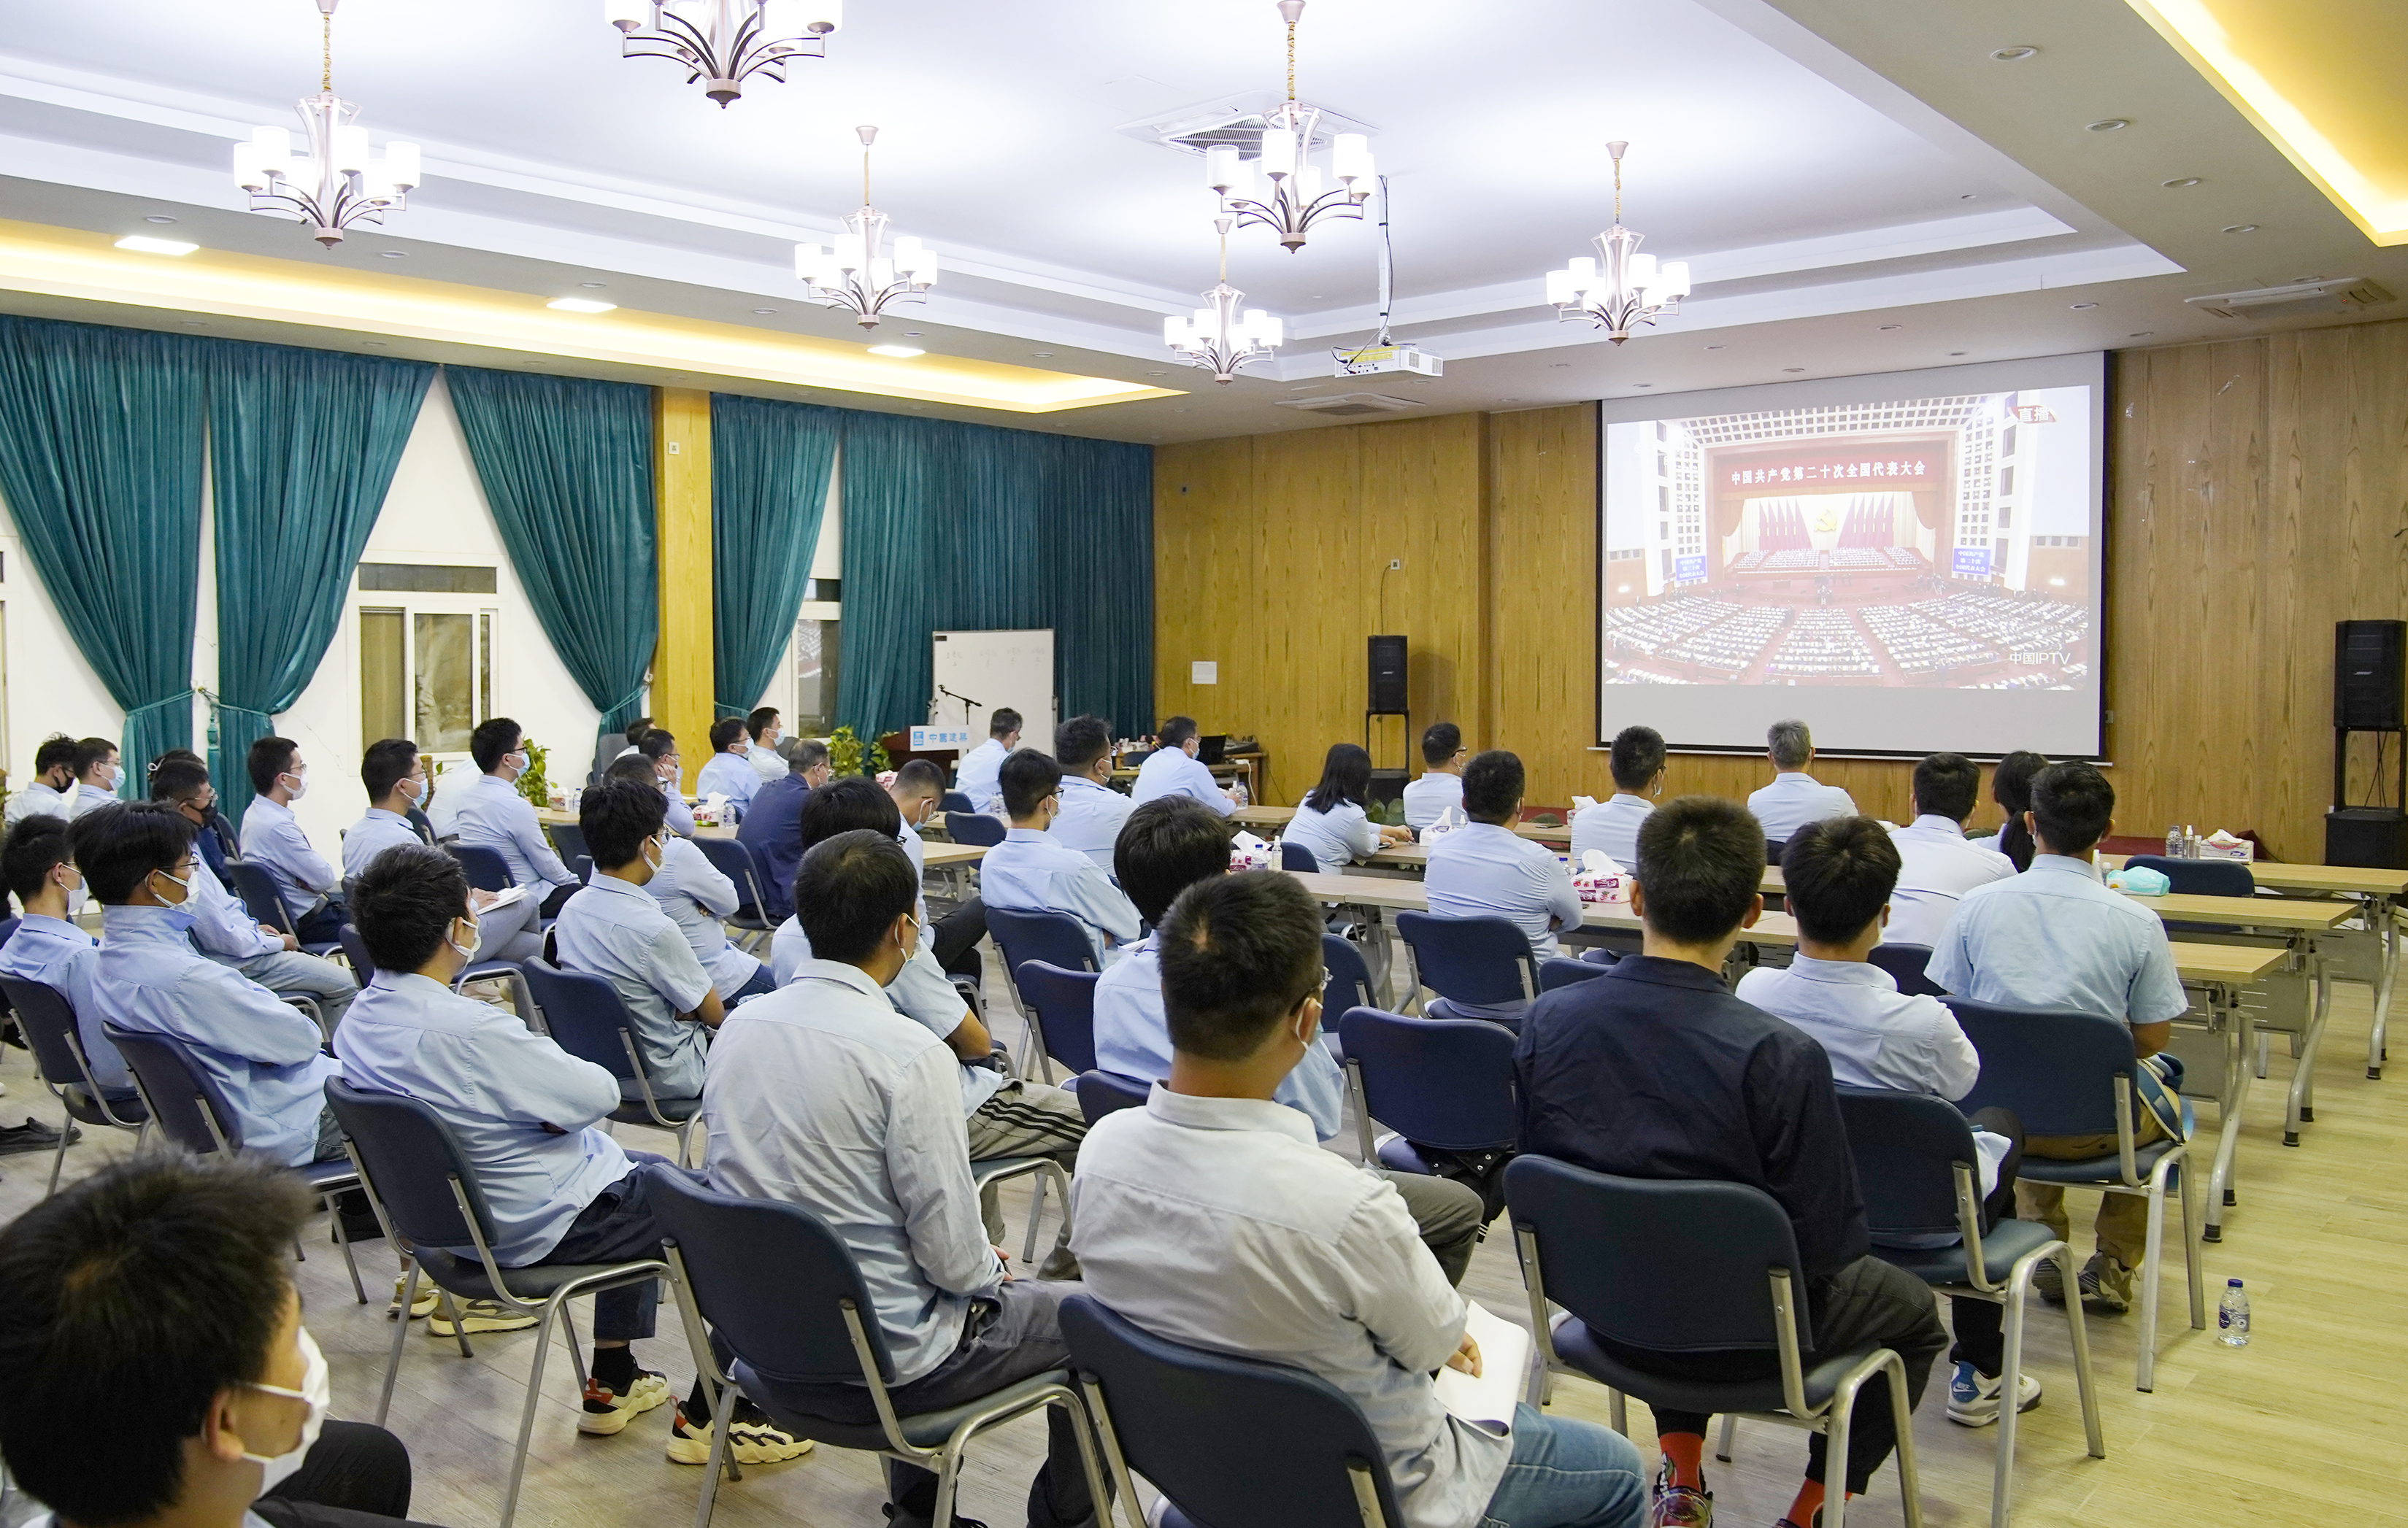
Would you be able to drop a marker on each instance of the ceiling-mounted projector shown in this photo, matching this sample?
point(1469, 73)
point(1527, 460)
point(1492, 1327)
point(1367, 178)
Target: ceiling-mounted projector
point(1379, 360)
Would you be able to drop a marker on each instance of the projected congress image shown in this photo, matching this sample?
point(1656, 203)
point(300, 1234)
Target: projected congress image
point(1938, 542)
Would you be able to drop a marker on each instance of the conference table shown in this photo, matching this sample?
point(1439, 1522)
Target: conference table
point(938, 853)
point(1275, 818)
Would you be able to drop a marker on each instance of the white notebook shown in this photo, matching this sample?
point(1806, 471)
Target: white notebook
point(1505, 1351)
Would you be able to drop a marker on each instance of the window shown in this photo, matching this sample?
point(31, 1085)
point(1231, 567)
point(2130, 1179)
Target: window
point(2006, 479)
point(426, 662)
point(424, 578)
point(2006, 516)
point(818, 651)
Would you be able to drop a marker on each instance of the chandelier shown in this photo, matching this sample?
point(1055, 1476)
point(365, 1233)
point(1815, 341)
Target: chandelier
point(856, 273)
point(337, 183)
point(1217, 338)
point(1296, 199)
point(722, 43)
point(1630, 289)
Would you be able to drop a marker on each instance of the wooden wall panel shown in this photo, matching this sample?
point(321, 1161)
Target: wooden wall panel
point(683, 661)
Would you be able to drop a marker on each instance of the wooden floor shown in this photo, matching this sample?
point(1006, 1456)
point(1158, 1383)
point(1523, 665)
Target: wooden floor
point(2305, 1425)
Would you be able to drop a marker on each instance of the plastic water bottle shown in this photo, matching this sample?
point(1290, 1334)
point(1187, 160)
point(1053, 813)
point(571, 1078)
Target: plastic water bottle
point(2232, 1315)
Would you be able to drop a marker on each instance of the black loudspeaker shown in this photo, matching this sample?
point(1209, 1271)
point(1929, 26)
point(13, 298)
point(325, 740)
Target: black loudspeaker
point(2368, 676)
point(1387, 685)
point(1387, 785)
point(2374, 836)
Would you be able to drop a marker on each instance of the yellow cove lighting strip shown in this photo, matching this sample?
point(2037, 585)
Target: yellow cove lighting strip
point(72, 263)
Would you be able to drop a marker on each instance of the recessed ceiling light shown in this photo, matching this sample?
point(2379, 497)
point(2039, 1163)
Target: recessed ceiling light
point(2180, 182)
point(2240, 228)
point(2014, 55)
point(393, 254)
point(144, 244)
point(2084, 307)
point(1642, 384)
point(2140, 334)
point(901, 352)
point(1793, 370)
point(1887, 327)
point(911, 334)
point(193, 323)
point(594, 284)
point(580, 305)
point(1713, 347)
point(764, 312)
point(158, 217)
point(1559, 366)
point(1967, 196)
point(1042, 356)
point(2110, 124)
point(1956, 353)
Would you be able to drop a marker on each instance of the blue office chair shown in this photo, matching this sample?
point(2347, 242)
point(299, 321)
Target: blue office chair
point(1065, 1004)
point(49, 1021)
point(485, 868)
point(1294, 856)
point(585, 1017)
point(2071, 1074)
point(1446, 1084)
point(735, 861)
point(1181, 1417)
point(1687, 1268)
point(1906, 964)
point(2200, 878)
point(1056, 938)
point(956, 801)
point(569, 840)
point(180, 1093)
point(257, 886)
point(1557, 971)
point(974, 828)
point(1350, 986)
point(355, 951)
point(364, 970)
point(427, 1196)
point(1107, 1093)
point(781, 1290)
point(1920, 1176)
point(1468, 960)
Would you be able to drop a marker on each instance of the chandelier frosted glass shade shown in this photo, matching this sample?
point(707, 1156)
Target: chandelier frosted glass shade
point(335, 182)
point(858, 274)
point(1620, 288)
point(1299, 194)
point(1220, 339)
point(722, 43)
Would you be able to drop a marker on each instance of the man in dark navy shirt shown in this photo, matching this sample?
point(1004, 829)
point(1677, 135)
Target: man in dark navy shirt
point(1656, 1071)
point(772, 827)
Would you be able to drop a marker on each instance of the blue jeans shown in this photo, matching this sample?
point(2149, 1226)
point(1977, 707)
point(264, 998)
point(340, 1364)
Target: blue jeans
point(1566, 1473)
point(761, 983)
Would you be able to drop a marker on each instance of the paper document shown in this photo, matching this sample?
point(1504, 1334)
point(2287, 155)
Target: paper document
point(1504, 1365)
point(504, 897)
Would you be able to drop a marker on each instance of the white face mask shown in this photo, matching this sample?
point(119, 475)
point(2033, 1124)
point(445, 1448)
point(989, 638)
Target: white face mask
point(296, 786)
point(652, 860)
point(412, 788)
point(476, 937)
point(183, 882)
point(318, 1393)
point(112, 777)
point(516, 762)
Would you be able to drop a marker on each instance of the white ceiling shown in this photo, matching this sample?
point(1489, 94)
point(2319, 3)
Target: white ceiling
point(1821, 163)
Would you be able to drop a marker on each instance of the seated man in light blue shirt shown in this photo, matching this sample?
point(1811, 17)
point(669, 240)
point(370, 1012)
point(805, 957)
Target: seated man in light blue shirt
point(762, 723)
point(2054, 937)
point(1439, 787)
point(1486, 870)
point(274, 837)
point(1030, 871)
point(1611, 826)
point(528, 1117)
point(98, 775)
point(1092, 811)
point(1211, 1216)
point(661, 751)
point(1937, 863)
point(51, 791)
point(50, 950)
point(615, 930)
point(223, 927)
point(394, 774)
point(696, 896)
point(264, 1055)
point(980, 767)
point(916, 790)
point(1167, 847)
point(1172, 770)
point(494, 815)
point(822, 1095)
point(730, 771)
point(1794, 798)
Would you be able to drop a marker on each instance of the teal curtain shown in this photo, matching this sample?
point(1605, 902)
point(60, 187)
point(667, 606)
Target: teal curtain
point(769, 464)
point(101, 435)
point(969, 527)
point(568, 469)
point(302, 447)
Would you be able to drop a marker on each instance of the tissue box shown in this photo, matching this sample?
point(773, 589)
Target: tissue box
point(1247, 853)
point(1595, 887)
point(2223, 846)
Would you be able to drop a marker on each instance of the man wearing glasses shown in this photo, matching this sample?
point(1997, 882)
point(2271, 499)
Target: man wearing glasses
point(1441, 785)
point(1031, 870)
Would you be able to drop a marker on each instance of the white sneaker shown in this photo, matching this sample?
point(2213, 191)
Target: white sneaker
point(1973, 1396)
point(428, 1297)
point(608, 1411)
point(752, 1437)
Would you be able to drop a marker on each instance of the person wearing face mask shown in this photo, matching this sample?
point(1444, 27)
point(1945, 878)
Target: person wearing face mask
point(1611, 826)
point(765, 727)
point(953, 939)
point(729, 772)
point(695, 895)
point(216, 839)
point(97, 774)
point(50, 950)
point(394, 774)
point(1092, 811)
point(1033, 871)
point(264, 1055)
point(614, 929)
point(222, 929)
point(494, 815)
point(772, 826)
point(51, 791)
point(273, 836)
point(659, 749)
point(157, 1292)
point(821, 1094)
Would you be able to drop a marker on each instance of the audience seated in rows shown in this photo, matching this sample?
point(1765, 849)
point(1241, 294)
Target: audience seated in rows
point(2010, 791)
point(1173, 769)
point(99, 773)
point(51, 791)
point(1092, 811)
point(917, 790)
point(764, 726)
point(1636, 760)
point(394, 774)
point(41, 874)
point(495, 816)
point(1031, 871)
point(1484, 869)
point(696, 896)
point(273, 838)
point(1937, 865)
point(1440, 786)
point(772, 826)
point(729, 772)
point(1332, 822)
point(977, 778)
point(659, 749)
point(1794, 797)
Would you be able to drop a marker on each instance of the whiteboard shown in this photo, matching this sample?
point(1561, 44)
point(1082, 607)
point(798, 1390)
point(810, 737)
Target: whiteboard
point(995, 669)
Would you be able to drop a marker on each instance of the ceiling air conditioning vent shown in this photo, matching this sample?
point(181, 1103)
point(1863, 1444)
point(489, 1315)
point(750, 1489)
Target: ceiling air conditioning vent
point(1236, 118)
point(1350, 404)
point(2339, 294)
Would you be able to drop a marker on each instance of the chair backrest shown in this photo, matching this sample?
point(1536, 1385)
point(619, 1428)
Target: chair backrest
point(8, 927)
point(974, 828)
point(2200, 878)
point(1443, 1082)
point(2055, 1069)
point(770, 1277)
point(1557, 971)
point(406, 1153)
point(1107, 1093)
point(256, 885)
point(956, 801)
point(49, 1021)
point(584, 1014)
point(569, 838)
point(1350, 978)
point(355, 950)
point(1055, 937)
point(1676, 1266)
point(184, 1099)
point(1183, 1416)
point(735, 861)
point(1772, 849)
point(1471, 960)
point(1906, 1145)
point(485, 868)
point(1906, 962)
point(1065, 1002)
point(1294, 856)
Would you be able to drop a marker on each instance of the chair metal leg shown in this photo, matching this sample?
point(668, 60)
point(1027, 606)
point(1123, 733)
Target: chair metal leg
point(2387, 947)
point(59, 1160)
point(1098, 1489)
point(2002, 1477)
point(2191, 1247)
point(722, 1413)
point(2304, 1074)
point(457, 1312)
point(335, 1213)
point(1909, 1480)
point(526, 1413)
point(2152, 1258)
point(1836, 1423)
point(2079, 1332)
point(1036, 1214)
point(400, 1340)
point(1730, 1434)
point(575, 1354)
point(948, 1477)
